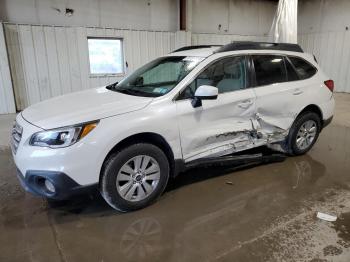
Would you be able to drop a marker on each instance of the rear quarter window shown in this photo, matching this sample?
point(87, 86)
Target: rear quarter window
point(303, 68)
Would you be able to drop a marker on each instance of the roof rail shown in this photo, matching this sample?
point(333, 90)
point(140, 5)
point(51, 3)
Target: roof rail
point(194, 47)
point(249, 45)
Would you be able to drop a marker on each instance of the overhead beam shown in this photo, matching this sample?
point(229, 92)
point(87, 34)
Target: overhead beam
point(183, 15)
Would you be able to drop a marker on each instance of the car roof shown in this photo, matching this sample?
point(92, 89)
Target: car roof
point(207, 50)
point(242, 47)
point(201, 52)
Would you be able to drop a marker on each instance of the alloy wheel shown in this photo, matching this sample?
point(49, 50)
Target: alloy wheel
point(138, 178)
point(306, 134)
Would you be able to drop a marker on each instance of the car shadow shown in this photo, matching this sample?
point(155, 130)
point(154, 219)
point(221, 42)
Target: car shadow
point(94, 205)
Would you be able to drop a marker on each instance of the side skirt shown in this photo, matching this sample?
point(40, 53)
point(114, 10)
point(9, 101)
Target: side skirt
point(229, 160)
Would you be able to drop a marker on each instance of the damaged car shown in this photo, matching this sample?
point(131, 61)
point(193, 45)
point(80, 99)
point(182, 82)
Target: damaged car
point(198, 104)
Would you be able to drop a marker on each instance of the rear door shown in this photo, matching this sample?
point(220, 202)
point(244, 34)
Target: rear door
point(276, 90)
point(219, 126)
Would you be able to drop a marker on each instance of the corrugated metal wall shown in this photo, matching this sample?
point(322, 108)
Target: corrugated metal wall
point(48, 61)
point(7, 104)
point(221, 39)
point(332, 50)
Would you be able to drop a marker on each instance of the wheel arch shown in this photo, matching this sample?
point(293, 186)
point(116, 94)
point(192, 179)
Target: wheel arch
point(146, 137)
point(312, 108)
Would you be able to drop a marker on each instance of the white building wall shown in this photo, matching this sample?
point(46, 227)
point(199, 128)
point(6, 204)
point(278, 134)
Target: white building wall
point(48, 49)
point(222, 39)
point(247, 17)
point(48, 61)
point(242, 17)
point(7, 104)
point(316, 16)
point(324, 31)
point(52, 59)
point(131, 14)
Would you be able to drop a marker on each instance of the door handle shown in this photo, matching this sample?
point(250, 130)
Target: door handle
point(245, 104)
point(297, 92)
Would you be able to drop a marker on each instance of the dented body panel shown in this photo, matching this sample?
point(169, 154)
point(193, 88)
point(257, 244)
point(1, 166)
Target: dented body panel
point(222, 127)
point(219, 127)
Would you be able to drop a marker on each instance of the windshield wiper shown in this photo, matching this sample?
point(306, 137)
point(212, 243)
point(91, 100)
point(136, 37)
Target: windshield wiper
point(135, 92)
point(112, 86)
point(157, 84)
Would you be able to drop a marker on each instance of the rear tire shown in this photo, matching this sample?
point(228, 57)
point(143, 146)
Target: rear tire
point(134, 177)
point(303, 133)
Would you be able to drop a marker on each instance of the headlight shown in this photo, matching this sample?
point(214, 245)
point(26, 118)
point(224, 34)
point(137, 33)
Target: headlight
point(62, 137)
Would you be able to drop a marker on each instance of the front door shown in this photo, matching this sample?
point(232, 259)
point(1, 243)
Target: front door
point(220, 126)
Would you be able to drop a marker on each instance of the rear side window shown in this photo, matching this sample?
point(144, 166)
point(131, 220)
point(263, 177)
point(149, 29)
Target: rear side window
point(269, 69)
point(304, 69)
point(291, 74)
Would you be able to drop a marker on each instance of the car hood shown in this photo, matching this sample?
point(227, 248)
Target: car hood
point(83, 106)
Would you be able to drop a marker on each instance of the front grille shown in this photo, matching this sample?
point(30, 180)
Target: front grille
point(16, 136)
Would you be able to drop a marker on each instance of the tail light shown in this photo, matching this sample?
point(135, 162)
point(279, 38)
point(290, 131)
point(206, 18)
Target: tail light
point(329, 84)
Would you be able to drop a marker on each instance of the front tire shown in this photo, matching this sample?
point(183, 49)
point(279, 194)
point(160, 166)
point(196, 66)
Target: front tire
point(134, 177)
point(304, 133)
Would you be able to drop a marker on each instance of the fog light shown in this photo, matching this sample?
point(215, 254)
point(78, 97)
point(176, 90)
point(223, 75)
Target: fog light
point(49, 186)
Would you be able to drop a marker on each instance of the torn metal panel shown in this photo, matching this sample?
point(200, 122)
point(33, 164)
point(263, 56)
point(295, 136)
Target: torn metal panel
point(279, 120)
point(260, 133)
point(234, 135)
point(225, 148)
point(272, 133)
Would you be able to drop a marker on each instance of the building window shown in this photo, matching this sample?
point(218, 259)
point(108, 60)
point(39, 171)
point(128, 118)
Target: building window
point(106, 56)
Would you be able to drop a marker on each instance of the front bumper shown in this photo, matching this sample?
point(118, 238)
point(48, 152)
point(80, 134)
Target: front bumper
point(64, 186)
point(80, 162)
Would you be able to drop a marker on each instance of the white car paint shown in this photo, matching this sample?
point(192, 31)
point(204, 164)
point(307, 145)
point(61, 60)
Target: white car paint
point(228, 124)
point(84, 106)
point(209, 128)
point(206, 91)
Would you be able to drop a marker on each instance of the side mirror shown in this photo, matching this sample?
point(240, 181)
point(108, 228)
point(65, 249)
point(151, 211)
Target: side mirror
point(204, 93)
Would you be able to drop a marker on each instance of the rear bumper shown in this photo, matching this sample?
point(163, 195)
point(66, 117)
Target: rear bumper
point(65, 187)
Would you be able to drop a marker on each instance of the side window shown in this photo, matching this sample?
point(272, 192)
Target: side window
point(304, 69)
point(269, 69)
point(291, 74)
point(228, 74)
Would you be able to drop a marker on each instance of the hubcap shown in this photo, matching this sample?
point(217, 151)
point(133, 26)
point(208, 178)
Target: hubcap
point(306, 134)
point(138, 178)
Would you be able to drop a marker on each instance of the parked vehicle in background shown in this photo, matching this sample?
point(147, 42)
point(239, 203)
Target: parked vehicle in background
point(194, 105)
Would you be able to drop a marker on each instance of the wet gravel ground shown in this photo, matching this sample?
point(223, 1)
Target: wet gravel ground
point(257, 213)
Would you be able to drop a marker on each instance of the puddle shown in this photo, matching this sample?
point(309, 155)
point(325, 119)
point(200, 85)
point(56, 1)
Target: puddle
point(342, 226)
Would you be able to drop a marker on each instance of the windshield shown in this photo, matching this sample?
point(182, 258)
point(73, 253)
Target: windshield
point(157, 77)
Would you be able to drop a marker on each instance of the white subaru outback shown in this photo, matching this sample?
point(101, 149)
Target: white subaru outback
point(196, 104)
